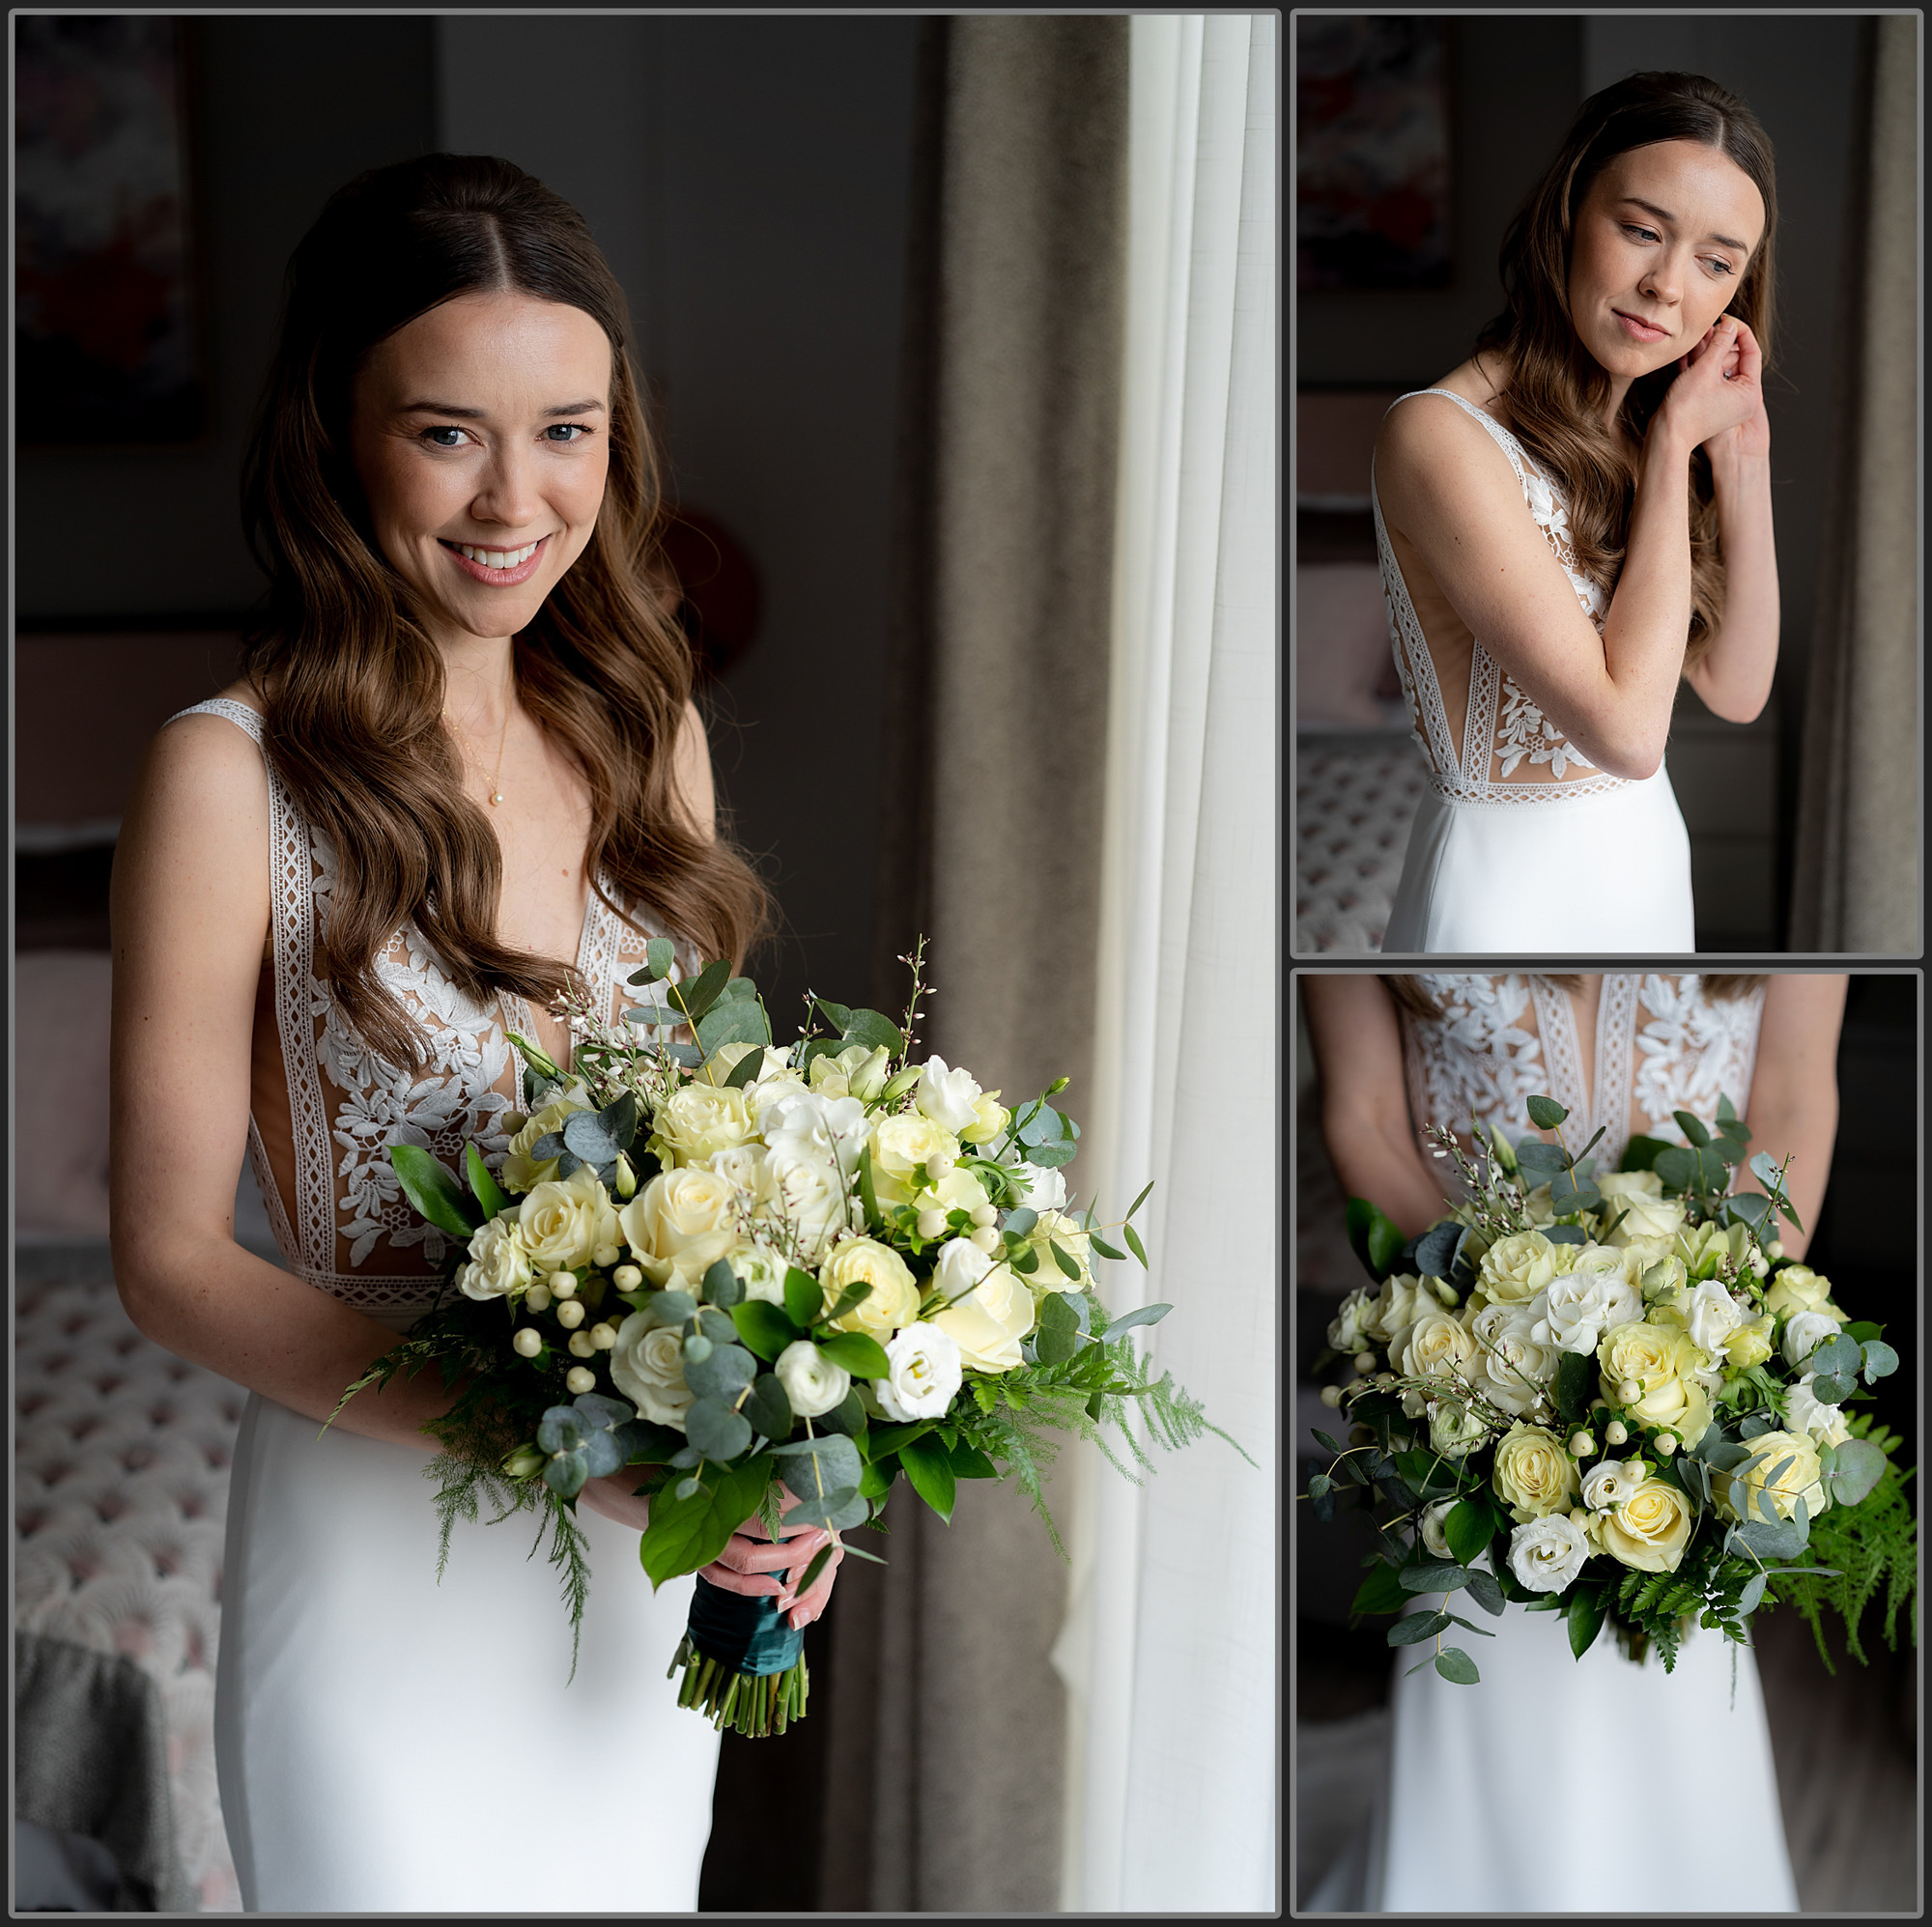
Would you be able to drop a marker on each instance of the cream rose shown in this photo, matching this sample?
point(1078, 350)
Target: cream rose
point(1397, 1306)
point(1435, 1541)
point(1532, 1473)
point(1803, 1477)
point(1513, 1366)
point(647, 1366)
point(852, 1072)
point(1805, 1412)
point(988, 1324)
point(1437, 1346)
point(902, 1148)
point(1647, 1213)
point(1547, 1553)
point(1066, 1233)
point(1650, 1529)
point(728, 1057)
point(810, 1196)
point(565, 1220)
point(1516, 1268)
point(1797, 1287)
point(697, 1120)
point(1750, 1344)
point(950, 1098)
point(814, 1383)
point(498, 1264)
point(893, 1299)
point(924, 1374)
point(521, 1172)
point(680, 1225)
point(1661, 1363)
point(1805, 1332)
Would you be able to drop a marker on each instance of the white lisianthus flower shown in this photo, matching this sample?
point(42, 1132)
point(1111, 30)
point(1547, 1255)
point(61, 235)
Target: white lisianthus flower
point(1041, 1190)
point(647, 1367)
point(1434, 1540)
point(565, 1220)
point(1513, 1364)
point(1805, 1333)
point(1805, 1412)
point(924, 1376)
point(814, 1383)
point(1348, 1330)
point(807, 1124)
point(499, 1265)
point(1455, 1429)
point(761, 1271)
point(1710, 1316)
point(1547, 1552)
point(951, 1098)
point(1573, 1312)
point(1609, 1483)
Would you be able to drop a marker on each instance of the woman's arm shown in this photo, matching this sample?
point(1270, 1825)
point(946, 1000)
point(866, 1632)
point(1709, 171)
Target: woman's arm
point(1733, 676)
point(1793, 1110)
point(1450, 493)
point(190, 919)
point(692, 774)
point(1371, 1138)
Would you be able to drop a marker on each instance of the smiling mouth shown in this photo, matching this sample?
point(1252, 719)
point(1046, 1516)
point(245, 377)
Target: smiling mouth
point(499, 567)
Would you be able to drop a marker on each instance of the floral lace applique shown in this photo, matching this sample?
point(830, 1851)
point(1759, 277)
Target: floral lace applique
point(1693, 1050)
point(1476, 1059)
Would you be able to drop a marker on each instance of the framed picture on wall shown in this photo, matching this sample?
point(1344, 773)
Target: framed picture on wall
point(1371, 151)
point(107, 333)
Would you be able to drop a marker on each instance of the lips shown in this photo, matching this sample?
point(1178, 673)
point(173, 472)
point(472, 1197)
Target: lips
point(1639, 329)
point(505, 578)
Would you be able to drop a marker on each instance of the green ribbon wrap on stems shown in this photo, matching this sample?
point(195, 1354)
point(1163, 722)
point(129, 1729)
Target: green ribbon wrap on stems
point(744, 1665)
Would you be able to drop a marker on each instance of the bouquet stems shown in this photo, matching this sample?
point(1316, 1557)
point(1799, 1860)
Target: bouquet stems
point(754, 1704)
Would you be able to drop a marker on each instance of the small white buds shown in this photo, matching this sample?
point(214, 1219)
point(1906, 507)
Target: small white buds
point(527, 1343)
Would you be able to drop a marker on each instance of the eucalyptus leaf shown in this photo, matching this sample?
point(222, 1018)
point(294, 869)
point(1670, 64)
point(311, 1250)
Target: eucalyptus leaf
point(1415, 1626)
point(1433, 1575)
point(722, 1376)
point(1456, 1666)
point(1546, 1113)
point(1058, 1336)
point(716, 1430)
point(1858, 1467)
point(1695, 1133)
point(1484, 1589)
point(814, 1467)
point(723, 1286)
point(837, 1512)
point(1146, 1314)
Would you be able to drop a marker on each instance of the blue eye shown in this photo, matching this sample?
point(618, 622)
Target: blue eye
point(430, 436)
point(566, 432)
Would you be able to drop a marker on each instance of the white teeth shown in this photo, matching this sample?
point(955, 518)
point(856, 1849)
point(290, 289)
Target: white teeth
point(496, 558)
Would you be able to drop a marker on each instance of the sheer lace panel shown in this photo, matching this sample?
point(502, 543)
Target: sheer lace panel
point(1659, 1045)
point(350, 1230)
point(1511, 752)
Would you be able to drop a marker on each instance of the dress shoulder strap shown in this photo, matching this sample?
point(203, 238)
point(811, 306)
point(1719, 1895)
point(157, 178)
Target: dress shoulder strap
point(1503, 439)
point(220, 705)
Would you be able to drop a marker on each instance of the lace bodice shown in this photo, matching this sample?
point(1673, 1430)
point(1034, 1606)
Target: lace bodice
point(339, 1216)
point(1660, 1044)
point(1511, 752)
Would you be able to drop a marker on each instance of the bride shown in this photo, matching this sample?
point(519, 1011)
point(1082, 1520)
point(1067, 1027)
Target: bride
point(1578, 518)
point(462, 771)
point(1477, 1771)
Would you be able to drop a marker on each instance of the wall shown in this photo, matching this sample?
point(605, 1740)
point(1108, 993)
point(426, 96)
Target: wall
point(747, 178)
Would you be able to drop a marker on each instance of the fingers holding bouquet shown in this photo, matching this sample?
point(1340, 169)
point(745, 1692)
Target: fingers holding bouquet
point(755, 1566)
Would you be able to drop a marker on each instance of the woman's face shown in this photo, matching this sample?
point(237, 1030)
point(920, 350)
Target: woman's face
point(480, 432)
point(1659, 246)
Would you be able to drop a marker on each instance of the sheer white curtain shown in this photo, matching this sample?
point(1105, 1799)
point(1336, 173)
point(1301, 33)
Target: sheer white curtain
point(1169, 1650)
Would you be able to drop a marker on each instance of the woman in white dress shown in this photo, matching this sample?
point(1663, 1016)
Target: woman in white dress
point(1575, 519)
point(461, 770)
point(1481, 1774)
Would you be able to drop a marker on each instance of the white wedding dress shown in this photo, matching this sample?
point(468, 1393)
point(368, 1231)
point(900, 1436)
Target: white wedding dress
point(386, 1743)
point(1518, 844)
point(1558, 1785)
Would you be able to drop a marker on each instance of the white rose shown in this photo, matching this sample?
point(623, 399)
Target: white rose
point(728, 1057)
point(951, 1098)
point(1647, 1213)
point(1041, 1190)
point(1805, 1333)
point(647, 1366)
point(743, 1168)
point(1436, 1347)
point(988, 1324)
point(804, 1124)
point(1514, 1365)
point(1348, 1329)
point(809, 1195)
point(1804, 1411)
point(811, 1381)
point(925, 1374)
point(1455, 1429)
point(852, 1072)
point(1432, 1538)
point(565, 1220)
point(761, 1271)
point(680, 1225)
point(1547, 1552)
point(960, 1266)
point(1609, 1484)
point(1710, 1316)
point(499, 1262)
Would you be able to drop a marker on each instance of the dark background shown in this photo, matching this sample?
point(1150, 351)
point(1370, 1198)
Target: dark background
point(748, 179)
point(1516, 81)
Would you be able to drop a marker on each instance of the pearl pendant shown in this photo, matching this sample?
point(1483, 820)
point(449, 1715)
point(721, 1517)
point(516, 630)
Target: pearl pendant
point(495, 795)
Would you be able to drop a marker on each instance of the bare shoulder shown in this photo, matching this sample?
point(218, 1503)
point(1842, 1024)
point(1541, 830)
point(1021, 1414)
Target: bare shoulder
point(1433, 457)
point(201, 796)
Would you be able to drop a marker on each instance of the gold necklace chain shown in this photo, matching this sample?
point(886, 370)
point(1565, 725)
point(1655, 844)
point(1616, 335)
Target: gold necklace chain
point(497, 779)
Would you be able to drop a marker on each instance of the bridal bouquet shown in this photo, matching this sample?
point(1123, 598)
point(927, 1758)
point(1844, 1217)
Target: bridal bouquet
point(757, 1273)
point(1617, 1390)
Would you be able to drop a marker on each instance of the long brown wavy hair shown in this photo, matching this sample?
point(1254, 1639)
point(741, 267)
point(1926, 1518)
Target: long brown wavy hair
point(353, 685)
point(1554, 389)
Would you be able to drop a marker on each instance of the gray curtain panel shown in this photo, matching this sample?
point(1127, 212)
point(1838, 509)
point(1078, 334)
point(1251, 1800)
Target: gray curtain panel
point(946, 1719)
point(91, 1759)
point(1857, 881)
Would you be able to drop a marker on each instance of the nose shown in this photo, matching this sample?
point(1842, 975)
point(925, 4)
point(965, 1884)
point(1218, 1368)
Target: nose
point(509, 493)
point(1663, 283)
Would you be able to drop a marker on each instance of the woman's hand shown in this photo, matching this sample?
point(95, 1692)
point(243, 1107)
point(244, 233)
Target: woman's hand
point(615, 1497)
point(754, 1564)
point(1719, 392)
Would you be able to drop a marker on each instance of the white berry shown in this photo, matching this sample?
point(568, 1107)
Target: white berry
point(986, 1238)
point(563, 1283)
point(582, 1344)
point(1629, 1390)
point(570, 1314)
point(1331, 1397)
point(932, 1223)
point(627, 1278)
point(984, 1214)
point(604, 1336)
point(581, 1379)
point(604, 1254)
point(1617, 1432)
point(527, 1343)
point(1365, 1361)
point(537, 1298)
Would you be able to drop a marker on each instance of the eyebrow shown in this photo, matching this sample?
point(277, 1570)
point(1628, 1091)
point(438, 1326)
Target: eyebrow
point(477, 415)
point(1670, 220)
